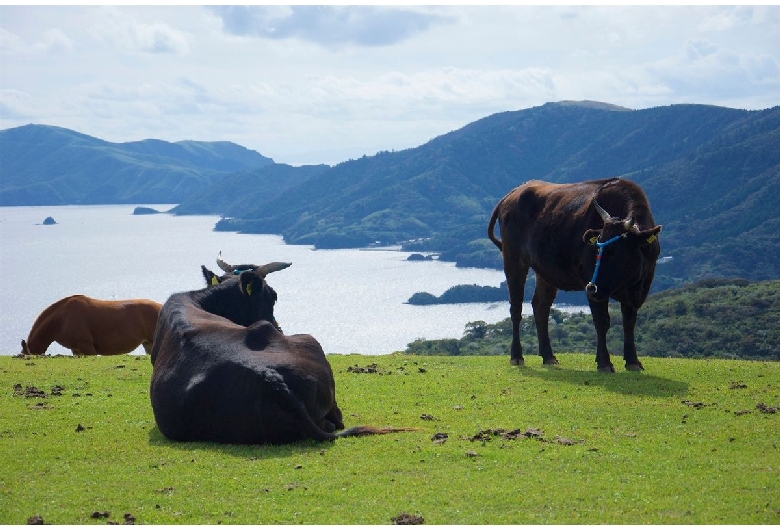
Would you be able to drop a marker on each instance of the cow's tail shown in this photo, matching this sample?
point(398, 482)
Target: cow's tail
point(316, 432)
point(491, 227)
point(365, 430)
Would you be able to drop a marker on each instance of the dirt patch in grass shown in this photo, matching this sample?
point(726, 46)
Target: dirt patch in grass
point(368, 369)
point(406, 518)
point(35, 392)
point(487, 435)
point(28, 392)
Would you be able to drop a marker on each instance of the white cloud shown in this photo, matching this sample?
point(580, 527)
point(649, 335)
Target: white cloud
point(325, 84)
point(18, 105)
point(54, 41)
point(10, 42)
point(327, 25)
point(129, 35)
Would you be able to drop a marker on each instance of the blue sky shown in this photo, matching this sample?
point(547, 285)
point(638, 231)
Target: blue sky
point(323, 84)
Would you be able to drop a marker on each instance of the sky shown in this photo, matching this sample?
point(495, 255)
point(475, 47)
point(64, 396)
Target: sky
point(325, 84)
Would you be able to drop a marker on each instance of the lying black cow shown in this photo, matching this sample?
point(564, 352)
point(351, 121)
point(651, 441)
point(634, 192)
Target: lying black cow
point(599, 236)
point(224, 372)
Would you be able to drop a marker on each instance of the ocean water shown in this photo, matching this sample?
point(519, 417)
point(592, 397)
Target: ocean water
point(352, 301)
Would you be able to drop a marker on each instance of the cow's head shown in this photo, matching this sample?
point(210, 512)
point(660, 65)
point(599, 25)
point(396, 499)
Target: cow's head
point(242, 294)
point(619, 258)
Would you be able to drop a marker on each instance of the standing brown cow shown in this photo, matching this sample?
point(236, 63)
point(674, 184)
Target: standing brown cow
point(598, 236)
point(94, 327)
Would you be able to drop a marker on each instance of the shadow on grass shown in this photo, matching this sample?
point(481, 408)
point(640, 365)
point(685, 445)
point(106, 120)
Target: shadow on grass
point(629, 383)
point(254, 452)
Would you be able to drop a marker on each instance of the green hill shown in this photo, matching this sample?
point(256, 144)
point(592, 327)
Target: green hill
point(725, 319)
point(712, 175)
point(239, 192)
point(44, 165)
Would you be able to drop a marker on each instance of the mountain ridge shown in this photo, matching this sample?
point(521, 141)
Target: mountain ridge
point(44, 165)
point(712, 175)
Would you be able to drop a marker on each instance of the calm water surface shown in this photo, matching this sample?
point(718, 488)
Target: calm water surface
point(352, 301)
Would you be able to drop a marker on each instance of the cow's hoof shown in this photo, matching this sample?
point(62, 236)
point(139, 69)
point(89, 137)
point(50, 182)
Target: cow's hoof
point(607, 369)
point(552, 361)
point(517, 362)
point(635, 367)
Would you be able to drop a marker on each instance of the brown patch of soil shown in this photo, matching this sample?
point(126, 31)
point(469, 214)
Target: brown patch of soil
point(406, 518)
point(28, 392)
point(34, 392)
point(35, 519)
point(439, 437)
point(695, 404)
point(369, 369)
point(487, 435)
point(766, 409)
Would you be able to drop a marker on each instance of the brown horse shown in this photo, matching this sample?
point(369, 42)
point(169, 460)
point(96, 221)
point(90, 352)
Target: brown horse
point(94, 327)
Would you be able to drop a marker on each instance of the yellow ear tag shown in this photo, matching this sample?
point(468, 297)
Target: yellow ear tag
point(593, 240)
point(214, 280)
point(249, 289)
point(652, 238)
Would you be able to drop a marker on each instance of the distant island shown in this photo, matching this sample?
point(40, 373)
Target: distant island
point(478, 294)
point(419, 257)
point(463, 294)
point(143, 210)
point(49, 221)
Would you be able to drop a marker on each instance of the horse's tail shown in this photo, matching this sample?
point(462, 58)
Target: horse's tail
point(491, 226)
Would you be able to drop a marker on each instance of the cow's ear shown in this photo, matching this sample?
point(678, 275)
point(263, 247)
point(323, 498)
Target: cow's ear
point(211, 278)
point(248, 279)
point(645, 237)
point(591, 236)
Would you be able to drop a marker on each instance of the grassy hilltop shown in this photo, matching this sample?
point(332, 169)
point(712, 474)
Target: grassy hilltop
point(685, 442)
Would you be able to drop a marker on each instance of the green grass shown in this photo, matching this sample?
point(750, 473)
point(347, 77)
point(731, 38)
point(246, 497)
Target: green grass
point(681, 443)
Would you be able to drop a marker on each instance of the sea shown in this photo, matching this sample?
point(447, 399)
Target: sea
point(351, 301)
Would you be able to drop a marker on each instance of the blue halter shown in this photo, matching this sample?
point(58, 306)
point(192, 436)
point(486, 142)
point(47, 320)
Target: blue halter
point(592, 282)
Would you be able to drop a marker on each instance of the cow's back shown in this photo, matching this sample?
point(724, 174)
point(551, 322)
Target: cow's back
point(217, 381)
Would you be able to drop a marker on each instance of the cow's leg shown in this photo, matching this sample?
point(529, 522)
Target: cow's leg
point(629, 346)
point(544, 294)
point(600, 313)
point(147, 347)
point(516, 274)
point(335, 418)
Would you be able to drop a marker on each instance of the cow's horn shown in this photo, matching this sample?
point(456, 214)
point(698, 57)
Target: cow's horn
point(628, 224)
point(222, 264)
point(602, 212)
point(274, 266)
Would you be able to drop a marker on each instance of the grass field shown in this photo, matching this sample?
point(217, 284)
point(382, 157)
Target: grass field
point(685, 442)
